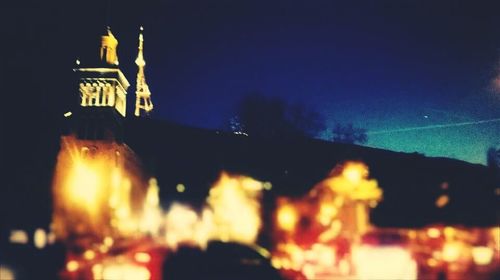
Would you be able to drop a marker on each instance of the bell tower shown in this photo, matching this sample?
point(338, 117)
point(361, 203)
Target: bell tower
point(103, 90)
point(143, 103)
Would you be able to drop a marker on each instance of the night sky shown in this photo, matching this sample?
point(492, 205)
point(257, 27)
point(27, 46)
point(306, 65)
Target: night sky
point(381, 65)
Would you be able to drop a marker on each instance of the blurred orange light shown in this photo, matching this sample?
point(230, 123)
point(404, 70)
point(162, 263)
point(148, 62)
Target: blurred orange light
point(72, 266)
point(432, 262)
point(451, 251)
point(6, 273)
point(433, 232)
point(442, 201)
point(180, 188)
point(384, 263)
point(89, 255)
point(125, 272)
point(40, 238)
point(287, 217)
point(83, 187)
point(482, 255)
point(142, 257)
point(354, 172)
point(18, 236)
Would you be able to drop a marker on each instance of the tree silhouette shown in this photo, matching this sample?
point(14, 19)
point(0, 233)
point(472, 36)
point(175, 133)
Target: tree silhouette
point(348, 134)
point(271, 117)
point(493, 158)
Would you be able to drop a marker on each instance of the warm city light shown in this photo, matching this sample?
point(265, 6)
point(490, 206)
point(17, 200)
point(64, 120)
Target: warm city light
point(72, 266)
point(384, 263)
point(83, 186)
point(89, 254)
point(235, 203)
point(180, 188)
point(151, 219)
point(18, 236)
point(326, 213)
point(125, 272)
point(287, 217)
point(482, 255)
point(6, 273)
point(452, 251)
point(40, 238)
point(232, 213)
point(355, 172)
point(442, 201)
point(142, 257)
point(433, 232)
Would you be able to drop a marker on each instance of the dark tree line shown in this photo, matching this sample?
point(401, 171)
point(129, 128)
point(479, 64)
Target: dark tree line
point(273, 118)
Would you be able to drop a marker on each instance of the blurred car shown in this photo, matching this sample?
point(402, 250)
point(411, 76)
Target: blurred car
point(219, 261)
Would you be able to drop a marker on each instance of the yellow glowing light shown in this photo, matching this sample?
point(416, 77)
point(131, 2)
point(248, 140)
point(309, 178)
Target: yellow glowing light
point(326, 213)
point(449, 232)
point(142, 257)
point(68, 114)
point(267, 186)
point(332, 232)
point(325, 255)
point(180, 188)
point(451, 251)
point(276, 263)
point(433, 232)
point(51, 238)
point(40, 238)
point(152, 214)
point(482, 255)
point(125, 272)
point(83, 187)
point(355, 172)
point(309, 271)
point(235, 203)
point(262, 251)
point(89, 255)
point(384, 263)
point(412, 234)
point(442, 201)
point(97, 270)
point(6, 273)
point(72, 266)
point(432, 262)
point(344, 267)
point(353, 183)
point(18, 236)
point(181, 224)
point(495, 232)
point(108, 241)
point(287, 217)
point(297, 256)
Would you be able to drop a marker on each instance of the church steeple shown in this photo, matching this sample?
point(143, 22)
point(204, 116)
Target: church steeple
point(109, 45)
point(143, 95)
point(102, 91)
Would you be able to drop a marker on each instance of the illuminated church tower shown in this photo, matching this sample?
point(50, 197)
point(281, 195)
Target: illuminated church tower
point(99, 184)
point(143, 95)
point(103, 91)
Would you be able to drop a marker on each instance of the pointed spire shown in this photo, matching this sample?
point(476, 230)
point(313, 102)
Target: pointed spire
point(140, 56)
point(143, 95)
point(109, 45)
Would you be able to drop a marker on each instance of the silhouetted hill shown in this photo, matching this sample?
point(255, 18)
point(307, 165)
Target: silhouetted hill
point(195, 157)
point(411, 182)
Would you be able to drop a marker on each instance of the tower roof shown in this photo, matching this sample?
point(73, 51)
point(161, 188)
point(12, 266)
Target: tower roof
point(109, 45)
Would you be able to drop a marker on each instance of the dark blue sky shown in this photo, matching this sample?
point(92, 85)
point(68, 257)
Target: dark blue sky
point(382, 65)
